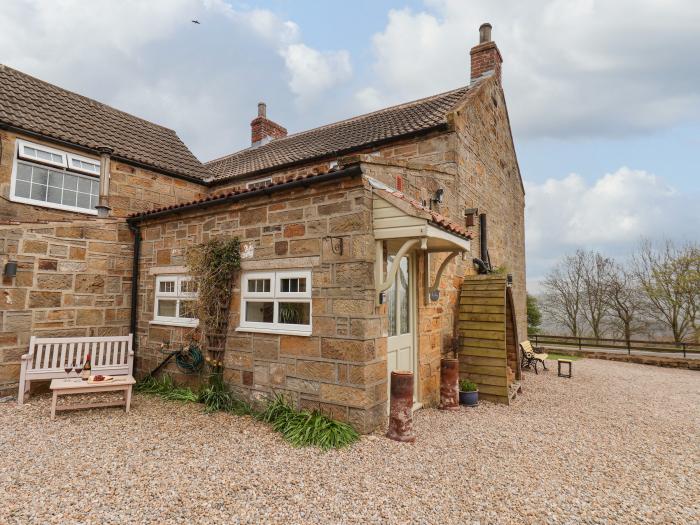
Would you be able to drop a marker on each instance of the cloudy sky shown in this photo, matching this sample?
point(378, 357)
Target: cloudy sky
point(604, 97)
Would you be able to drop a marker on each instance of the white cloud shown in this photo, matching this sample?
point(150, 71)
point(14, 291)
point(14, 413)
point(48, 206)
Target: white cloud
point(147, 58)
point(313, 72)
point(571, 67)
point(610, 214)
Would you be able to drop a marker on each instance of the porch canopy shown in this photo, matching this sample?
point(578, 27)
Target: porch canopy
point(405, 224)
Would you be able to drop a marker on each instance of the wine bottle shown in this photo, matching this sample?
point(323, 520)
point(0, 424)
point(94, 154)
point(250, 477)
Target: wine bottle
point(86, 368)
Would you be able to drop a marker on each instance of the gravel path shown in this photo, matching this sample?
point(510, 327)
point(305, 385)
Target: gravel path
point(618, 443)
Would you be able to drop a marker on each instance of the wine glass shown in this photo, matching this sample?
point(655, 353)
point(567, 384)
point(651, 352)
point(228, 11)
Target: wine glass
point(78, 368)
point(68, 368)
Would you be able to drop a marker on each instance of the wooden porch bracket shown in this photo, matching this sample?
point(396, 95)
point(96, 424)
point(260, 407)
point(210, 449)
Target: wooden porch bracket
point(385, 284)
point(429, 288)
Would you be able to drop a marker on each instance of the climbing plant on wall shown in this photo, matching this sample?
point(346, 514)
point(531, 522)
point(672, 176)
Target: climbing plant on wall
point(213, 266)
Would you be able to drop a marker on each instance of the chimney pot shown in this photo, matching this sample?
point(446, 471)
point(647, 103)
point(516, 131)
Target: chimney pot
point(263, 130)
point(262, 109)
point(485, 56)
point(485, 33)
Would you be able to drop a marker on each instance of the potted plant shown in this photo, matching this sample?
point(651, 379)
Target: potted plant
point(468, 393)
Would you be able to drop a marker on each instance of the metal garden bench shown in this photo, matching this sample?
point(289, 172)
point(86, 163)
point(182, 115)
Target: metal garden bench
point(530, 357)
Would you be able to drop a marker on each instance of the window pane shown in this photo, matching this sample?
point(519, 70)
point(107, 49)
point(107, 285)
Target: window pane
point(83, 200)
point(40, 176)
point(22, 189)
point(391, 300)
point(284, 285)
point(56, 179)
point(95, 188)
point(259, 285)
point(295, 313)
point(24, 172)
point(187, 309)
point(54, 195)
point(259, 312)
point(251, 285)
point(69, 197)
point(56, 158)
point(167, 307)
point(84, 185)
point(93, 201)
point(403, 296)
point(267, 285)
point(188, 286)
point(302, 284)
point(38, 192)
point(70, 182)
point(30, 152)
point(167, 286)
point(44, 155)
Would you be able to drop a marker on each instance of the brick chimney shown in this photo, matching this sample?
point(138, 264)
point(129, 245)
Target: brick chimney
point(485, 55)
point(263, 130)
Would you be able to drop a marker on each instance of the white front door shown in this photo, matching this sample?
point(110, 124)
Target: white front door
point(400, 300)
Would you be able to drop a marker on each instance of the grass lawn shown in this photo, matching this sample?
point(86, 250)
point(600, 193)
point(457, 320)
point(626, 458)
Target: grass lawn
point(554, 357)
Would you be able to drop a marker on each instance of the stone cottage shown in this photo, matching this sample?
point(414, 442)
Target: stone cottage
point(363, 229)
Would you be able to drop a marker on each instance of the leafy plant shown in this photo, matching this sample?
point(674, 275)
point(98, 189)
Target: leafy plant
point(307, 428)
point(165, 388)
point(290, 313)
point(217, 396)
point(467, 386)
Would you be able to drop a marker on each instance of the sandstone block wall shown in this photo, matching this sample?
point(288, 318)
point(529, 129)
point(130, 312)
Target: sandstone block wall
point(73, 279)
point(341, 367)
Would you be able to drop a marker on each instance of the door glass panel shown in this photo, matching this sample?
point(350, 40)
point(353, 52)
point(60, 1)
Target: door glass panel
point(403, 296)
point(391, 300)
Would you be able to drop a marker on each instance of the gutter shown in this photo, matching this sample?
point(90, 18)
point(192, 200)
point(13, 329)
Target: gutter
point(351, 171)
point(133, 321)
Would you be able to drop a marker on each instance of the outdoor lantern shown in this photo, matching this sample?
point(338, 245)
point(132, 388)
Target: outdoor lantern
point(439, 196)
point(509, 279)
point(10, 269)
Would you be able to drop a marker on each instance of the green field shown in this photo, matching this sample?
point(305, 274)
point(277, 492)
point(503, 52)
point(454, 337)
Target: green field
point(554, 357)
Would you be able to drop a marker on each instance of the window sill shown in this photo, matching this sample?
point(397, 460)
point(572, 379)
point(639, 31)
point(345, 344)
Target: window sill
point(272, 331)
point(175, 323)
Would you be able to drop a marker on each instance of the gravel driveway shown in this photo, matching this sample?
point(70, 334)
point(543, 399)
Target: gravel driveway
point(618, 443)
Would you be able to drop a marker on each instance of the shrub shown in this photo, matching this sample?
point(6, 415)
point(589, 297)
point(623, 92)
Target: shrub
point(218, 396)
point(467, 386)
point(307, 428)
point(165, 388)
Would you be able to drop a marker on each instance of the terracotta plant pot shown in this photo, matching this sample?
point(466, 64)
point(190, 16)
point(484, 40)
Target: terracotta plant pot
point(470, 399)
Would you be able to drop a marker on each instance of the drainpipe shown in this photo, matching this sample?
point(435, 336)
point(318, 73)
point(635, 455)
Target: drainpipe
point(103, 208)
point(133, 324)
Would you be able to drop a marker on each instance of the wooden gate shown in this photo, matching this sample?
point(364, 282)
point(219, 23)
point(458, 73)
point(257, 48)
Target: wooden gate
point(488, 353)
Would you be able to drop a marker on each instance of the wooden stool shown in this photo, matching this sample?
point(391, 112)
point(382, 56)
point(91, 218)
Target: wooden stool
point(564, 361)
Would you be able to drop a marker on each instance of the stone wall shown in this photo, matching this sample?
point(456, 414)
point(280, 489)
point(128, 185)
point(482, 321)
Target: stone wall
point(132, 189)
point(341, 367)
point(73, 279)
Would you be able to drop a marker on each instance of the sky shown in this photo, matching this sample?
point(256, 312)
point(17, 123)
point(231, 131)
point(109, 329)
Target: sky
point(603, 96)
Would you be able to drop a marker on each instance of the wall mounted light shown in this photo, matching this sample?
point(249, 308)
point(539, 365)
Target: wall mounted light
point(439, 196)
point(10, 269)
point(509, 279)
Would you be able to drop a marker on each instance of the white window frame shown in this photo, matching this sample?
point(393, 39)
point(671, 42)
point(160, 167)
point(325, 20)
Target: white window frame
point(21, 157)
point(177, 295)
point(251, 184)
point(22, 145)
point(276, 296)
point(87, 160)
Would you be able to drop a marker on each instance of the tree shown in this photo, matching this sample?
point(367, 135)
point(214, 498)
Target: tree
point(670, 279)
point(623, 299)
point(596, 271)
point(534, 316)
point(564, 292)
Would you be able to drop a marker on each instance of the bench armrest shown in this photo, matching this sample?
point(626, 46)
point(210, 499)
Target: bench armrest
point(26, 357)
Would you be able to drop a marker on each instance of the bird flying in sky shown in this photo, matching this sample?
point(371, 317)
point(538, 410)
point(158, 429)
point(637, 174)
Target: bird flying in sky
point(195, 22)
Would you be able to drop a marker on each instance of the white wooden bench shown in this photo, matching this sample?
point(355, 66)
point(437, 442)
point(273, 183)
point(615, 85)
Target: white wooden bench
point(47, 358)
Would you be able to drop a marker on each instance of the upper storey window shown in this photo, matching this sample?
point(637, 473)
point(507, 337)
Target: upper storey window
point(53, 178)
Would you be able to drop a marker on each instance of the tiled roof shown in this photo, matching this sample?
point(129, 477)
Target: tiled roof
point(341, 137)
point(420, 210)
point(39, 107)
point(227, 194)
